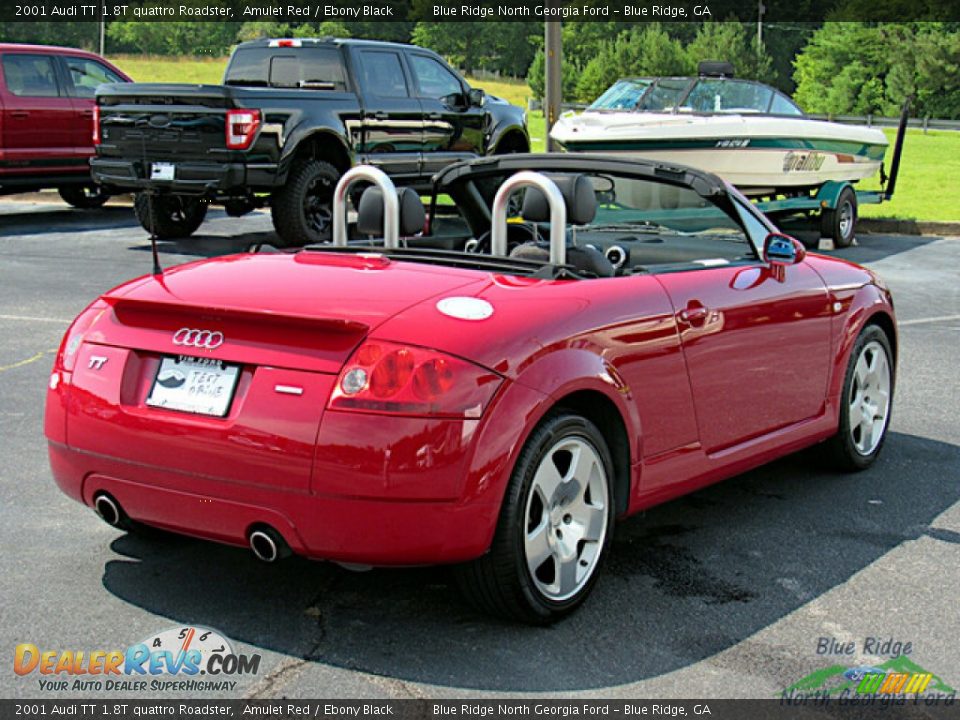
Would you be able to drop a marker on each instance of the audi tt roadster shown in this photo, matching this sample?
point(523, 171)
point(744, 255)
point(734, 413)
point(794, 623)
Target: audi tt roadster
point(490, 381)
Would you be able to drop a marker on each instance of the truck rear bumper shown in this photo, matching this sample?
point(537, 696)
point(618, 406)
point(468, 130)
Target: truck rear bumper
point(191, 178)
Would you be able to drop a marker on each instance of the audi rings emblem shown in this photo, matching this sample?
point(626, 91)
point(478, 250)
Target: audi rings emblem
point(203, 339)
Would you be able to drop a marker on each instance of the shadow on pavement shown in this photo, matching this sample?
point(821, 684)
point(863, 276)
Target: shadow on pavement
point(684, 581)
point(42, 218)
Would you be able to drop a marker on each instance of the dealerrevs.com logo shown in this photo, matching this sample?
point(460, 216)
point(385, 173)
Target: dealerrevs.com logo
point(173, 660)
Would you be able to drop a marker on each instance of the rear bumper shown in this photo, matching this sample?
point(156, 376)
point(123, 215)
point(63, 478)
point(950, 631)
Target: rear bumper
point(192, 178)
point(374, 531)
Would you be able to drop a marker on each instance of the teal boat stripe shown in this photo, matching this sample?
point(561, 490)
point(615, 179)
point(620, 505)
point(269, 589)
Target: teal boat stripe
point(873, 152)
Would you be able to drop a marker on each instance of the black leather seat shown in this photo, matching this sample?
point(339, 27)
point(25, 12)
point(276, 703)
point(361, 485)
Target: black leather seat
point(413, 217)
point(581, 202)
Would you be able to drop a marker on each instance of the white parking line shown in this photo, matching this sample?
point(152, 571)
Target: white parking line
point(28, 318)
point(925, 321)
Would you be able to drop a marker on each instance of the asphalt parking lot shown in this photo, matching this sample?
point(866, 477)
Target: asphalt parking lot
point(724, 593)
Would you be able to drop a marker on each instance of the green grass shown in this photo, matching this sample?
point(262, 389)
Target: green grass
point(929, 171)
point(929, 178)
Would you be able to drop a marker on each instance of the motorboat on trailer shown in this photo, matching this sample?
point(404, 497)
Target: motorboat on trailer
point(746, 132)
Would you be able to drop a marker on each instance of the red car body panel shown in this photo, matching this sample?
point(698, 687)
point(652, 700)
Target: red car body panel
point(392, 489)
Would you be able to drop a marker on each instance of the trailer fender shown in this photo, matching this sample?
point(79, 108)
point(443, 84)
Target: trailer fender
point(829, 193)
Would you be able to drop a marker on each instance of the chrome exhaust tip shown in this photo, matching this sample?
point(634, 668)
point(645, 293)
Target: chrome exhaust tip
point(108, 510)
point(268, 545)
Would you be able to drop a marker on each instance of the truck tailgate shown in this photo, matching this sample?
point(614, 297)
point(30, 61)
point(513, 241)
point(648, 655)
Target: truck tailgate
point(163, 121)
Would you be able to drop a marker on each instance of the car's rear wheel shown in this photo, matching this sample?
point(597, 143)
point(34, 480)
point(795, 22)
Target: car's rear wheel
point(865, 402)
point(85, 197)
point(555, 526)
point(169, 216)
point(302, 210)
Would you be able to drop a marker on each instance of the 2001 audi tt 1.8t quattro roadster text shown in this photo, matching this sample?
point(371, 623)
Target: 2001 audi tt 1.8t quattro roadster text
point(570, 340)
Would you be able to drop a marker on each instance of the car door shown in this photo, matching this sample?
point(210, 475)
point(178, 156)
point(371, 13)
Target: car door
point(453, 129)
point(756, 338)
point(392, 119)
point(83, 75)
point(38, 114)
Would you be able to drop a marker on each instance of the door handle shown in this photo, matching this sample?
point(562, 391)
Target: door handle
point(693, 314)
point(20, 114)
point(88, 113)
point(381, 116)
point(435, 116)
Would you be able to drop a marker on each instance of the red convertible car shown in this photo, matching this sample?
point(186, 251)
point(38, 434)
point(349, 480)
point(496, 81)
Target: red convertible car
point(556, 343)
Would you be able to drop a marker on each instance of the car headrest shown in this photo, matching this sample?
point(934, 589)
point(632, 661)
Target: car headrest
point(370, 212)
point(578, 194)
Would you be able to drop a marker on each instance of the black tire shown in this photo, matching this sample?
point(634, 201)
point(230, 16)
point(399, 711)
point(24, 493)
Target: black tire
point(303, 209)
point(843, 447)
point(169, 216)
point(840, 223)
point(500, 583)
point(85, 197)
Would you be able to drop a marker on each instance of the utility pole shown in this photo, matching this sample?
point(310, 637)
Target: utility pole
point(760, 11)
point(101, 29)
point(554, 87)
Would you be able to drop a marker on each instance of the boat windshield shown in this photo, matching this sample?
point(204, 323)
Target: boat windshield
point(622, 95)
point(711, 96)
point(664, 95)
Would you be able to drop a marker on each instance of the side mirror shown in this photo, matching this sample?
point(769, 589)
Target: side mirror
point(475, 97)
point(782, 250)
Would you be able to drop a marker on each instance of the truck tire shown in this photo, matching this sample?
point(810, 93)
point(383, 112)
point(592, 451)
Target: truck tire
point(302, 210)
point(169, 216)
point(840, 223)
point(85, 197)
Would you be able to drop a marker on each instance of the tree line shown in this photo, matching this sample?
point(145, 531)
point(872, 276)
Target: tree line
point(855, 68)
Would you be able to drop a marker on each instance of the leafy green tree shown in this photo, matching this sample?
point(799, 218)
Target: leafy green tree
point(928, 68)
point(843, 68)
point(728, 41)
point(646, 51)
point(569, 75)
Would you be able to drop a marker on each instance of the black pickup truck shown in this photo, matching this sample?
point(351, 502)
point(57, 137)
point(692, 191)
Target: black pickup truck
point(291, 116)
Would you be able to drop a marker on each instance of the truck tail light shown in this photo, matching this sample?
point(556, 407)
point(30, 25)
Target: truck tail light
point(286, 43)
point(96, 125)
point(241, 128)
point(384, 377)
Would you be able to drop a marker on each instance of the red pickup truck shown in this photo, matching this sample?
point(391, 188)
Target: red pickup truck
point(46, 120)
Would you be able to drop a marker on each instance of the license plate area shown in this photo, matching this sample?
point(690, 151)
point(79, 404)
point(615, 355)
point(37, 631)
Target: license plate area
point(201, 386)
point(162, 171)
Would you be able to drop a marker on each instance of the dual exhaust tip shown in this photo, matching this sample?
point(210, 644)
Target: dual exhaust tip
point(266, 543)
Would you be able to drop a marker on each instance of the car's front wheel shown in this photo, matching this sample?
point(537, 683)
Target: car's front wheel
point(555, 526)
point(865, 401)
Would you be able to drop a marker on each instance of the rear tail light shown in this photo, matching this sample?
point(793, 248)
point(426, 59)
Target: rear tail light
point(384, 377)
point(96, 125)
point(67, 357)
point(241, 128)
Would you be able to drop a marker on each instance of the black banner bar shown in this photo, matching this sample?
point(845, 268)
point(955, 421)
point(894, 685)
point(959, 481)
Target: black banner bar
point(408, 11)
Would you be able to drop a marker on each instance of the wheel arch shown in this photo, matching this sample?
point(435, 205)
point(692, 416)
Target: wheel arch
point(323, 145)
point(600, 410)
point(513, 137)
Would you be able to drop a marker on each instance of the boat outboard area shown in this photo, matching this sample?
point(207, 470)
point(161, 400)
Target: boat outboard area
point(746, 132)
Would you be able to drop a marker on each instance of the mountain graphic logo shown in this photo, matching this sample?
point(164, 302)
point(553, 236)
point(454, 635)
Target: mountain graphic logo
point(171, 379)
point(897, 676)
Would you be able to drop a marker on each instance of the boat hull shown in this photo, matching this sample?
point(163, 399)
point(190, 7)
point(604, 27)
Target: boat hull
point(757, 155)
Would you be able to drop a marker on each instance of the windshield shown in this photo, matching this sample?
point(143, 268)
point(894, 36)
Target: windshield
point(622, 95)
point(636, 204)
point(665, 95)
